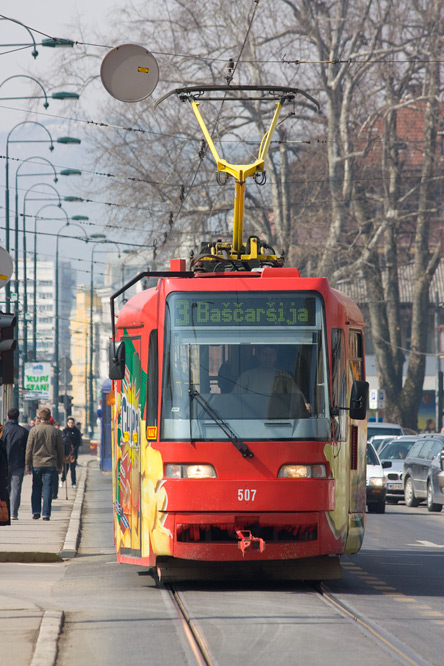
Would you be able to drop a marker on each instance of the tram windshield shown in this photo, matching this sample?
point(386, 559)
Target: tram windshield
point(258, 359)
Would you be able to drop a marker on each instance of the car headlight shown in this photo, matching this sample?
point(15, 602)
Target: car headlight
point(194, 471)
point(377, 481)
point(318, 471)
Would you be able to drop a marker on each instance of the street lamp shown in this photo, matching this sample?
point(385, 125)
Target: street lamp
point(50, 140)
point(70, 172)
point(16, 235)
point(7, 224)
point(68, 140)
point(25, 276)
point(61, 94)
point(53, 42)
point(56, 346)
point(65, 172)
point(101, 238)
point(65, 94)
point(57, 42)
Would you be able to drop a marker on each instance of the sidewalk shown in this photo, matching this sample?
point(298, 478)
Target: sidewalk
point(28, 540)
point(30, 622)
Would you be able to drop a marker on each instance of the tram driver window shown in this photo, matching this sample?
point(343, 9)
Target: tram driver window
point(210, 351)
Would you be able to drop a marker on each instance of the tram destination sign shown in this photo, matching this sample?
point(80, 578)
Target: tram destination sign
point(228, 309)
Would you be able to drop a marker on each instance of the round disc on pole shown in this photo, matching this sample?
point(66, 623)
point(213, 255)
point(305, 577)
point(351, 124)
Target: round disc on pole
point(6, 267)
point(65, 363)
point(129, 73)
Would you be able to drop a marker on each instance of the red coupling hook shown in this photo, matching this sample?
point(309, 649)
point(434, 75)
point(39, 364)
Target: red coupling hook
point(247, 540)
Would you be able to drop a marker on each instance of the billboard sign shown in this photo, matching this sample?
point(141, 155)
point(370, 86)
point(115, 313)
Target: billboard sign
point(37, 381)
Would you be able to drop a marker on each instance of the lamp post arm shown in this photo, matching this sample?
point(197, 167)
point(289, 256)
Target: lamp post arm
point(7, 18)
point(26, 76)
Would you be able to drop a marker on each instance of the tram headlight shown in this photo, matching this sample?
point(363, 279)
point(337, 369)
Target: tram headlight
point(194, 471)
point(318, 471)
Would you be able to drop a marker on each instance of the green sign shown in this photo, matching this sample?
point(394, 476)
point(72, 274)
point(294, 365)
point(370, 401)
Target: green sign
point(237, 309)
point(37, 380)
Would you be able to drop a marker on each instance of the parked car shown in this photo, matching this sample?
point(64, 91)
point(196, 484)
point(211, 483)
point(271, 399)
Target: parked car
point(375, 481)
point(379, 429)
point(379, 441)
point(396, 450)
point(423, 472)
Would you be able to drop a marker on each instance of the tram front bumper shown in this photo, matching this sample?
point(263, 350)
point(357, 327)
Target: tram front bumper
point(268, 536)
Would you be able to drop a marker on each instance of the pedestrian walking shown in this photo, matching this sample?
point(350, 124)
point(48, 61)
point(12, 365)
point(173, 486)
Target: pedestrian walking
point(44, 457)
point(15, 437)
point(72, 441)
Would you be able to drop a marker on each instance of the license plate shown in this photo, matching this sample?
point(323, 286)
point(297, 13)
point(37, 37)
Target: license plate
point(394, 486)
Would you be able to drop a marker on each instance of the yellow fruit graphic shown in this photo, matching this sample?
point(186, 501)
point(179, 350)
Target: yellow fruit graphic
point(161, 540)
point(154, 503)
point(148, 504)
point(153, 465)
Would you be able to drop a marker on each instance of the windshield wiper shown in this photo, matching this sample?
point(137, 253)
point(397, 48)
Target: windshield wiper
point(223, 425)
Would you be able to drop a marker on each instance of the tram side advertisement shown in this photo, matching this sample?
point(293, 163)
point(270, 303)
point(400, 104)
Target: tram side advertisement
point(138, 469)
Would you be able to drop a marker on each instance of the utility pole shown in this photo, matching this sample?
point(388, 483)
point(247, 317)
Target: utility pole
point(439, 374)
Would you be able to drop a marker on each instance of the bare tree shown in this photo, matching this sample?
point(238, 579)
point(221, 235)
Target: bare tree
point(372, 46)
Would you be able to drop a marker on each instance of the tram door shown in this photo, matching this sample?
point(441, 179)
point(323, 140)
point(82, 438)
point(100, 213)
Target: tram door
point(130, 426)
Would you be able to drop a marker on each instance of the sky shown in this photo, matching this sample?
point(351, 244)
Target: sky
point(56, 19)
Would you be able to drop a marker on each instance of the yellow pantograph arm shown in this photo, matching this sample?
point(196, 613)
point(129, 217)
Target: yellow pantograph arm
point(234, 169)
point(240, 172)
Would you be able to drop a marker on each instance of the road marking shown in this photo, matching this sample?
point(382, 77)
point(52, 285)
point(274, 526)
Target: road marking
point(369, 579)
point(426, 544)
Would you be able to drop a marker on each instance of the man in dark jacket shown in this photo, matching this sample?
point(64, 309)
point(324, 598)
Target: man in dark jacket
point(44, 456)
point(15, 438)
point(72, 440)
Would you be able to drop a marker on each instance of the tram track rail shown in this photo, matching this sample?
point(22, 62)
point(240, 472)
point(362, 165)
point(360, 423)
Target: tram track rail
point(194, 637)
point(399, 650)
point(197, 643)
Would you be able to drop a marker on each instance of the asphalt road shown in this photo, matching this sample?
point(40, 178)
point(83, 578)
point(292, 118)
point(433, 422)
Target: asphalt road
point(115, 615)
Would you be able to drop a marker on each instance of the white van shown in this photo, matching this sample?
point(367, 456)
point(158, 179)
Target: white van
point(375, 481)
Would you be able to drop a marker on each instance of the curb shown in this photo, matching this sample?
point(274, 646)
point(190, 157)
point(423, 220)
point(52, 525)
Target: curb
point(45, 653)
point(35, 556)
point(72, 537)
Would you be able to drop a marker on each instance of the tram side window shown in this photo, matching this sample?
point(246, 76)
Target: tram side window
point(153, 380)
point(339, 382)
point(356, 351)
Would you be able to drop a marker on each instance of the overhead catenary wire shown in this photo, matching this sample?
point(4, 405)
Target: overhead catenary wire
point(202, 152)
point(358, 59)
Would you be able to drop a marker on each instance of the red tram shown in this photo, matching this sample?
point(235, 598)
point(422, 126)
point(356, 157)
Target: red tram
point(239, 417)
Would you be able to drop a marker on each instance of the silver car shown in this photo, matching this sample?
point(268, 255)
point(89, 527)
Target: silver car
point(423, 472)
point(396, 450)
